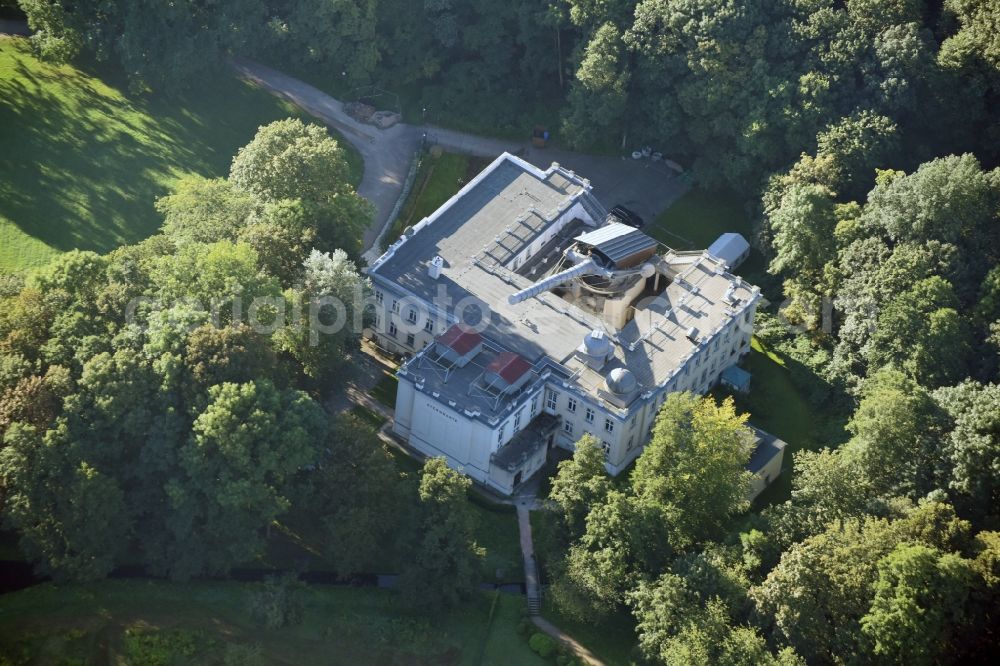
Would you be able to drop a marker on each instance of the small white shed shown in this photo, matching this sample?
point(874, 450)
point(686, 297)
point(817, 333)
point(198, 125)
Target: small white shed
point(732, 248)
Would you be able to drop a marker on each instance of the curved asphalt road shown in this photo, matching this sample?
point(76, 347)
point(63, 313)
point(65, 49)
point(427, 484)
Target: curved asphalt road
point(646, 187)
point(387, 153)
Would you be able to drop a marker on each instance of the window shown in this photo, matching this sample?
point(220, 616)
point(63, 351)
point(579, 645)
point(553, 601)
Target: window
point(606, 447)
point(609, 425)
point(395, 305)
point(429, 325)
point(392, 328)
point(568, 427)
point(409, 340)
point(631, 443)
point(589, 415)
point(411, 316)
point(500, 433)
point(551, 399)
point(379, 297)
point(571, 405)
point(631, 424)
point(517, 419)
point(534, 405)
point(378, 320)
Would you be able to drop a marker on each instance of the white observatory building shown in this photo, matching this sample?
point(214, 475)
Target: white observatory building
point(529, 321)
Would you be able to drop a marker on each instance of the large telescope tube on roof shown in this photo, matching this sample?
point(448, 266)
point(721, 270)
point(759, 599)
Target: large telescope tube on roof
point(588, 267)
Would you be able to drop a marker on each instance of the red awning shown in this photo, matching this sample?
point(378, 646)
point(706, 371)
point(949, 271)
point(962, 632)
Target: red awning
point(460, 340)
point(509, 366)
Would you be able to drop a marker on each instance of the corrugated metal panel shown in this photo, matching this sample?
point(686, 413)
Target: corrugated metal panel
point(606, 233)
point(618, 241)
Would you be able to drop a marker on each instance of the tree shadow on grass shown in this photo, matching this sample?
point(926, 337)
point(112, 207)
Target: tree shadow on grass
point(83, 161)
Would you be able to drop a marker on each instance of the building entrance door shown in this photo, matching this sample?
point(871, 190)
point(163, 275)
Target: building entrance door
point(517, 478)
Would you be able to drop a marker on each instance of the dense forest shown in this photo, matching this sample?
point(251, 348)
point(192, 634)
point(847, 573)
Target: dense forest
point(160, 404)
point(864, 136)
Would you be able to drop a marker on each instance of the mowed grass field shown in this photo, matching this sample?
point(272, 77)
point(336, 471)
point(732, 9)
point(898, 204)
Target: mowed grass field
point(82, 161)
point(151, 622)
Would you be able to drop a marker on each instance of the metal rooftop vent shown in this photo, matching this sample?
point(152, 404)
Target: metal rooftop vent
point(435, 266)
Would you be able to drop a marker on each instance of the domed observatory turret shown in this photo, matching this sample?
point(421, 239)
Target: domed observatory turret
point(596, 349)
point(620, 387)
point(621, 381)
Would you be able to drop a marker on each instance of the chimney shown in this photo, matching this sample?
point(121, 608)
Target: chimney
point(435, 266)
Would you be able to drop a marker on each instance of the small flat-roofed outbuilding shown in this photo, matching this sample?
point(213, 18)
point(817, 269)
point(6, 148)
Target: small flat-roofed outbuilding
point(736, 378)
point(765, 461)
point(731, 248)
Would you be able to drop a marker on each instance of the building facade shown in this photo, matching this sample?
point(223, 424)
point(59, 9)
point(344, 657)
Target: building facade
point(529, 320)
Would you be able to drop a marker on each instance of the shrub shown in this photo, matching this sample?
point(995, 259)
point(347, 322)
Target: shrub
point(278, 603)
point(237, 654)
point(542, 645)
point(157, 648)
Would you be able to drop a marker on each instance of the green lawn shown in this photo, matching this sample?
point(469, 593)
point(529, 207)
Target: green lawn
point(777, 403)
point(385, 390)
point(82, 161)
point(368, 416)
point(695, 220)
point(199, 622)
point(438, 179)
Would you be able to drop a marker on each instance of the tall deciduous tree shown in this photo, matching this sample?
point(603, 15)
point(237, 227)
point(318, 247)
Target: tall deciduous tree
point(203, 210)
point(355, 492)
point(445, 562)
point(290, 160)
point(580, 484)
point(897, 431)
point(692, 474)
point(920, 597)
point(823, 586)
point(244, 453)
point(70, 517)
point(972, 447)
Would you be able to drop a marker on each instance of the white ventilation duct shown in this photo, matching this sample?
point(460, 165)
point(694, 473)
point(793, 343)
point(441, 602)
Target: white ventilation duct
point(588, 267)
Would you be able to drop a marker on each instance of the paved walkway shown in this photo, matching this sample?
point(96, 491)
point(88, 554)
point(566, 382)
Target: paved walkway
point(533, 587)
point(645, 186)
point(14, 27)
point(386, 153)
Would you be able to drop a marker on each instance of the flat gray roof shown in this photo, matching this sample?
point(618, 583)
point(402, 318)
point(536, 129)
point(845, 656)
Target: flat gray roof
point(768, 446)
point(490, 220)
point(493, 217)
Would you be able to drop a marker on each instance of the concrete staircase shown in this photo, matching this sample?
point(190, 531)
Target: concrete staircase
point(533, 588)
